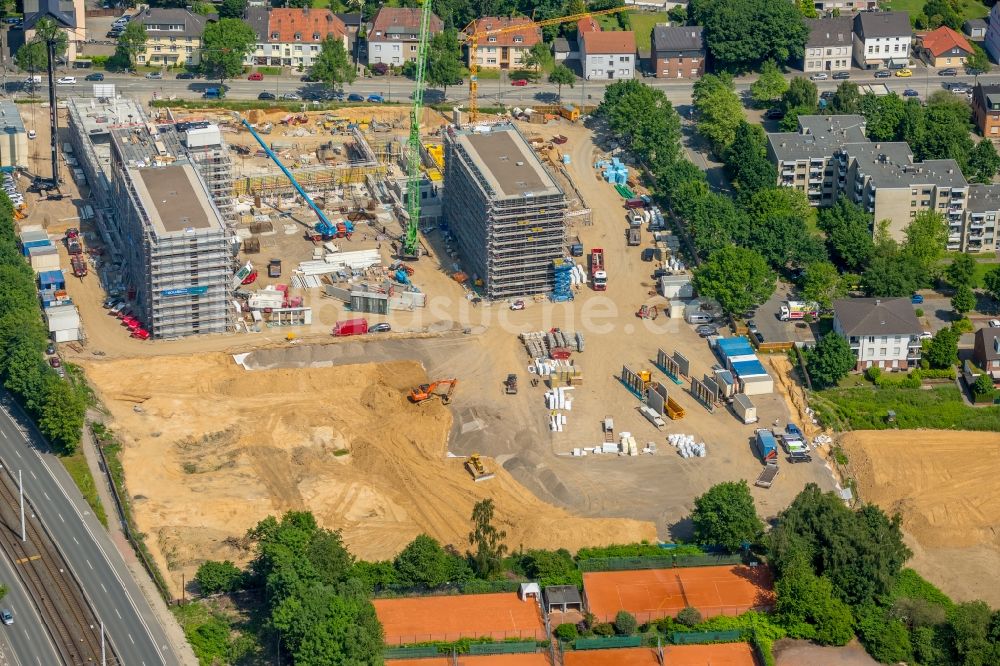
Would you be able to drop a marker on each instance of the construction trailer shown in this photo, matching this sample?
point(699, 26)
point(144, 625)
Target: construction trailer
point(505, 210)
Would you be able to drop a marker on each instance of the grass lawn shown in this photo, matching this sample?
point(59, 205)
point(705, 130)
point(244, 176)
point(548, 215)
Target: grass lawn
point(969, 9)
point(941, 407)
point(642, 24)
point(76, 465)
point(983, 266)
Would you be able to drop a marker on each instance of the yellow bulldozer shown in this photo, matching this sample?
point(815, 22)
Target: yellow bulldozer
point(477, 469)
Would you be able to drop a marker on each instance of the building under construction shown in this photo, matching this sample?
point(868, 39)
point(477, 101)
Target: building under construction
point(505, 210)
point(207, 151)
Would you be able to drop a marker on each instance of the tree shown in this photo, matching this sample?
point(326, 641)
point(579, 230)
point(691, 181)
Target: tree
point(941, 130)
point(625, 623)
point(537, 56)
point(225, 44)
point(422, 562)
point(444, 60)
point(926, 236)
point(978, 60)
point(991, 281)
point(984, 163)
point(808, 607)
point(487, 539)
point(883, 116)
point(738, 278)
point(562, 75)
point(332, 66)
point(961, 270)
point(769, 86)
point(712, 220)
point(747, 163)
point(203, 8)
point(719, 109)
point(885, 638)
point(644, 120)
point(689, 616)
point(726, 516)
point(941, 12)
point(551, 567)
point(131, 43)
point(942, 350)
point(47, 30)
point(566, 632)
point(983, 387)
point(801, 94)
point(848, 233)
point(678, 14)
point(214, 577)
point(233, 9)
point(822, 283)
point(964, 300)
point(743, 34)
point(969, 626)
point(847, 99)
point(784, 238)
point(830, 360)
point(32, 57)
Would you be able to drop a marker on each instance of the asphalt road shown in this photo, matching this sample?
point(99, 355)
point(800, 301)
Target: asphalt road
point(129, 621)
point(399, 89)
point(26, 642)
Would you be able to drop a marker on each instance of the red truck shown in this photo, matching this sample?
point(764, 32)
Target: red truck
point(79, 265)
point(598, 276)
point(350, 327)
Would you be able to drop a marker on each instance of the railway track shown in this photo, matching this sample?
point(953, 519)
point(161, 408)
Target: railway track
point(70, 622)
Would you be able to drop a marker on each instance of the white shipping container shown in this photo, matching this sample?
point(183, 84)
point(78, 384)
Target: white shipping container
point(68, 335)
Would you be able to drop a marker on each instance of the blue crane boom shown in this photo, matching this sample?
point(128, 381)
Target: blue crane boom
point(324, 227)
point(411, 243)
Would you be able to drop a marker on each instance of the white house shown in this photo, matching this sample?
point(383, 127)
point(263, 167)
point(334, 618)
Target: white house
point(289, 37)
point(882, 39)
point(883, 333)
point(395, 35)
point(605, 54)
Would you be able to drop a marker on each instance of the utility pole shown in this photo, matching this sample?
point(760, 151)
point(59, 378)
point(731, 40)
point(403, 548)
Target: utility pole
point(103, 657)
point(50, 46)
point(20, 491)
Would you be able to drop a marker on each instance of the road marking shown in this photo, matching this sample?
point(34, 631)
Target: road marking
point(118, 614)
point(4, 433)
point(75, 541)
point(106, 590)
point(46, 496)
point(131, 639)
point(60, 517)
point(17, 453)
point(28, 559)
point(32, 473)
point(26, 635)
point(89, 564)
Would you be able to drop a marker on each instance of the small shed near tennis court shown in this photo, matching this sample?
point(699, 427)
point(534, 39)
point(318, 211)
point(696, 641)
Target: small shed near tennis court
point(562, 598)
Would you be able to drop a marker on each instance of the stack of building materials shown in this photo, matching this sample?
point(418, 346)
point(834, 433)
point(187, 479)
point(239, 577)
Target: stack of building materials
point(338, 261)
point(613, 171)
point(629, 447)
point(541, 343)
point(686, 445)
point(562, 290)
point(557, 399)
point(740, 358)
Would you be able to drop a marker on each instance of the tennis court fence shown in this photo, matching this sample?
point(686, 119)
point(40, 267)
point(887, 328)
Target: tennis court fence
point(657, 562)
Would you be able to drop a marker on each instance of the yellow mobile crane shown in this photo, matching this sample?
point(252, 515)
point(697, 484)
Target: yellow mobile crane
point(471, 37)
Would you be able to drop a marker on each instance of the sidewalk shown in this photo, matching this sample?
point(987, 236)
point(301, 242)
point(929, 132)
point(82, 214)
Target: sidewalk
point(171, 628)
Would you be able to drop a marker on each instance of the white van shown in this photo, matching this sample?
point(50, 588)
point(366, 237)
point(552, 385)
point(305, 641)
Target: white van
point(33, 79)
point(698, 318)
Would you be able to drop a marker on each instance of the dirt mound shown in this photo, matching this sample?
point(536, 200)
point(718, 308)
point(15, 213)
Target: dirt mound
point(216, 448)
point(943, 484)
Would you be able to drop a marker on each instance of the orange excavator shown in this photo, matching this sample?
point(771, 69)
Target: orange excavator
point(425, 392)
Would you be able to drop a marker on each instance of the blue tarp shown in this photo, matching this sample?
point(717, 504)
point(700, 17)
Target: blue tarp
point(749, 368)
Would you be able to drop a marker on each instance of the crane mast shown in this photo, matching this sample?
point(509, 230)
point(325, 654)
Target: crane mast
point(410, 249)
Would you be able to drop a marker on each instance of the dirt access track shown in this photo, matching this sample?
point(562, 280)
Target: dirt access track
point(211, 448)
point(943, 484)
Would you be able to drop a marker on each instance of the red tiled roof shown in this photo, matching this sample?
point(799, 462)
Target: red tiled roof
point(530, 35)
point(395, 23)
point(942, 40)
point(611, 41)
point(587, 25)
point(311, 25)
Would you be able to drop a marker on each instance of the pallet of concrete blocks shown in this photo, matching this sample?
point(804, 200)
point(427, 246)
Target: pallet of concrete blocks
point(820, 440)
point(566, 376)
point(579, 341)
point(559, 398)
point(686, 446)
point(535, 343)
point(628, 445)
point(556, 422)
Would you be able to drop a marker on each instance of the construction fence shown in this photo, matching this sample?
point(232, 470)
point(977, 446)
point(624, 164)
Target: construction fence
point(515, 636)
point(657, 562)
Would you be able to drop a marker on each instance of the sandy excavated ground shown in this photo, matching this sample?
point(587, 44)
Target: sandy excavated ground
point(216, 448)
point(943, 484)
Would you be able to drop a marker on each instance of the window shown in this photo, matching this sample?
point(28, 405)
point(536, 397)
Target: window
point(492, 39)
point(298, 36)
point(274, 35)
point(870, 48)
point(871, 339)
point(188, 49)
point(314, 48)
point(881, 351)
point(518, 39)
point(913, 204)
point(623, 59)
point(316, 36)
point(157, 48)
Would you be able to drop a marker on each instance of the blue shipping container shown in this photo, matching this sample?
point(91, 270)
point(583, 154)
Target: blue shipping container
point(37, 243)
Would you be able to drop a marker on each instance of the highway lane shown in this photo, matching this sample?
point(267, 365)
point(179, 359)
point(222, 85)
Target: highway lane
point(129, 620)
point(26, 642)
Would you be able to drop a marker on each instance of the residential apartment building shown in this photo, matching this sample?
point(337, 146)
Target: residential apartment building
point(678, 52)
point(508, 49)
point(69, 15)
point(830, 156)
point(882, 333)
point(605, 54)
point(394, 36)
point(882, 39)
point(289, 37)
point(992, 40)
point(983, 223)
point(830, 45)
point(944, 47)
point(986, 110)
point(173, 37)
point(845, 6)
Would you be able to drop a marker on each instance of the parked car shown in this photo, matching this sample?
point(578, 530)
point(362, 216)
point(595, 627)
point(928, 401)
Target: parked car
point(910, 92)
point(380, 328)
point(293, 97)
point(759, 336)
point(706, 330)
point(841, 76)
point(517, 305)
point(7, 617)
point(51, 349)
point(916, 299)
point(333, 95)
point(66, 80)
point(994, 323)
point(827, 94)
point(819, 76)
point(155, 76)
point(519, 82)
point(54, 361)
point(96, 76)
point(267, 95)
point(355, 97)
point(948, 71)
point(882, 74)
point(904, 73)
point(309, 78)
point(255, 76)
point(926, 335)
point(647, 254)
point(185, 75)
point(32, 134)
point(775, 114)
point(972, 71)
point(959, 88)
point(375, 99)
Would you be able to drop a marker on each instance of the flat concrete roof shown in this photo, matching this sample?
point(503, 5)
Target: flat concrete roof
point(10, 118)
point(507, 162)
point(175, 199)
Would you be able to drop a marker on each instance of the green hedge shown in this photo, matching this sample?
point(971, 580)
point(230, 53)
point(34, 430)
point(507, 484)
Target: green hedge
point(913, 379)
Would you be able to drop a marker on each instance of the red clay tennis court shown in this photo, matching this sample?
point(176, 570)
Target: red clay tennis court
point(720, 654)
point(650, 594)
point(448, 618)
point(536, 659)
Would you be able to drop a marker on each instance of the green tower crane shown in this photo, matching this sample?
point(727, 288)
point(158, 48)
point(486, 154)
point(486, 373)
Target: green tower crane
point(410, 249)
